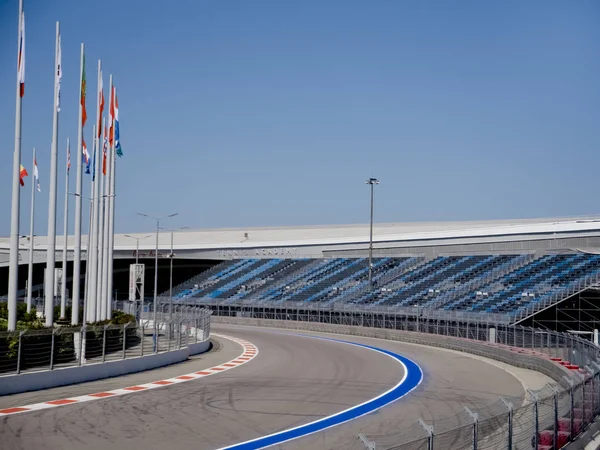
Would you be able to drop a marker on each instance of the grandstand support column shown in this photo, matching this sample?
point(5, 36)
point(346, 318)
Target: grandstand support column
point(372, 182)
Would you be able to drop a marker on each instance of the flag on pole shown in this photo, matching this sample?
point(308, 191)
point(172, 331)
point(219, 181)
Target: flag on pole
point(69, 157)
point(58, 74)
point(21, 62)
point(36, 174)
point(22, 174)
point(111, 116)
point(104, 149)
point(101, 102)
point(117, 141)
point(83, 89)
point(86, 157)
point(94, 165)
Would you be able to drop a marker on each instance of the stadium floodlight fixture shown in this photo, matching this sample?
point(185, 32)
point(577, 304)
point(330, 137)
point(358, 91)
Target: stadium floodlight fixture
point(371, 181)
point(158, 219)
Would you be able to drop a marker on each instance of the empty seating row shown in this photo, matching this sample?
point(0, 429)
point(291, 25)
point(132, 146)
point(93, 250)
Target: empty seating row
point(478, 283)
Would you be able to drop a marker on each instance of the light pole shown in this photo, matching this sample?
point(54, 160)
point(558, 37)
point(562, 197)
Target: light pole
point(158, 219)
point(137, 244)
point(372, 182)
point(171, 270)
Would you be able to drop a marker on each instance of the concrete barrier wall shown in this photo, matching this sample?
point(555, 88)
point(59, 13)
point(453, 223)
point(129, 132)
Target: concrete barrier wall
point(529, 360)
point(33, 381)
point(199, 347)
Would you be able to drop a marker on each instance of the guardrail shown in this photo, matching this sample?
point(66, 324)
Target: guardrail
point(44, 349)
point(546, 419)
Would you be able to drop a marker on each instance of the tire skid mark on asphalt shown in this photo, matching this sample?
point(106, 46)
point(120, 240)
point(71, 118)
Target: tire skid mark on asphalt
point(250, 352)
point(413, 376)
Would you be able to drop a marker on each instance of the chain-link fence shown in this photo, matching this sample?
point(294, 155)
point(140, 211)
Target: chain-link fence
point(546, 419)
point(52, 348)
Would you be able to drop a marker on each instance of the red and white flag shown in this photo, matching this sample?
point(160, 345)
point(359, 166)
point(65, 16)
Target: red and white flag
point(36, 174)
point(21, 61)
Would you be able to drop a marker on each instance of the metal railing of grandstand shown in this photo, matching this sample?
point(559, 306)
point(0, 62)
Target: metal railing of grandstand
point(551, 416)
point(413, 311)
point(30, 350)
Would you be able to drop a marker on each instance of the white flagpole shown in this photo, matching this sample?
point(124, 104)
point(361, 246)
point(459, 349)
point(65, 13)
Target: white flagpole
point(101, 231)
point(91, 256)
point(77, 247)
point(93, 287)
point(30, 265)
point(13, 272)
point(63, 288)
point(51, 248)
point(105, 263)
point(111, 228)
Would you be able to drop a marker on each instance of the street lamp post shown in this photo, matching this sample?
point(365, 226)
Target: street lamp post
point(158, 219)
point(171, 270)
point(372, 182)
point(137, 244)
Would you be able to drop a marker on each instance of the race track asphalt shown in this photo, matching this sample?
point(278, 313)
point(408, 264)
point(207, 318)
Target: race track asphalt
point(292, 381)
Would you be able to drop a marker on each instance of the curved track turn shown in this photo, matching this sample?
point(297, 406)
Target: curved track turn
point(293, 381)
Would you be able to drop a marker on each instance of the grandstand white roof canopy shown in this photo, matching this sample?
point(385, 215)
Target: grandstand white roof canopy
point(305, 241)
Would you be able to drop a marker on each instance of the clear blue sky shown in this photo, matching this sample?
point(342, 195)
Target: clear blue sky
point(238, 113)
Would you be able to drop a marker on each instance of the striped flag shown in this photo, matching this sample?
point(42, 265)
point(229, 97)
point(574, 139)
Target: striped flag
point(36, 174)
point(21, 62)
point(101, 103)
point(22, 174)
point(104, 149)
point(86, 157)
point(58, 74)
point(118, 149)
point(111, 116)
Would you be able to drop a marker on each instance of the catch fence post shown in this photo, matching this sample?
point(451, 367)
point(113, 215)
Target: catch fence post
point(536, 416)
point(21, 333)
point(52, 350)
point(475, 418)
point(509, 405)
point(571, 406)
point(104, 343)
point(124, 338)
point(429, 430)
point(555, 406)
point(368, 444)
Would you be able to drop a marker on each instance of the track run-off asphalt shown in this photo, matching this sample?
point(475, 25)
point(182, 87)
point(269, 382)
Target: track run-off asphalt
point(292, 381)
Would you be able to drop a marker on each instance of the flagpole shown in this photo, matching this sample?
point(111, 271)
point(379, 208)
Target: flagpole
point(51, 248)
point(63, 288)
point(77, 246)
point(101, 231)
point(89, 266)
point(105, 263)
point(111, 229)
point(94, 266)
point(30, 265)
point(13, 271)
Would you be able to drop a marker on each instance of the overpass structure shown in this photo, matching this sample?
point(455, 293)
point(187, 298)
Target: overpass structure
point(389, 239)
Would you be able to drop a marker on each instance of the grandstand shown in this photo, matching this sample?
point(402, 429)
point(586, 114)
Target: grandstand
point(505, 287)
point(507, 271)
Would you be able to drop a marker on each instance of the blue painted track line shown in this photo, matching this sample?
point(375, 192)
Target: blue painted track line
point(413, 375)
